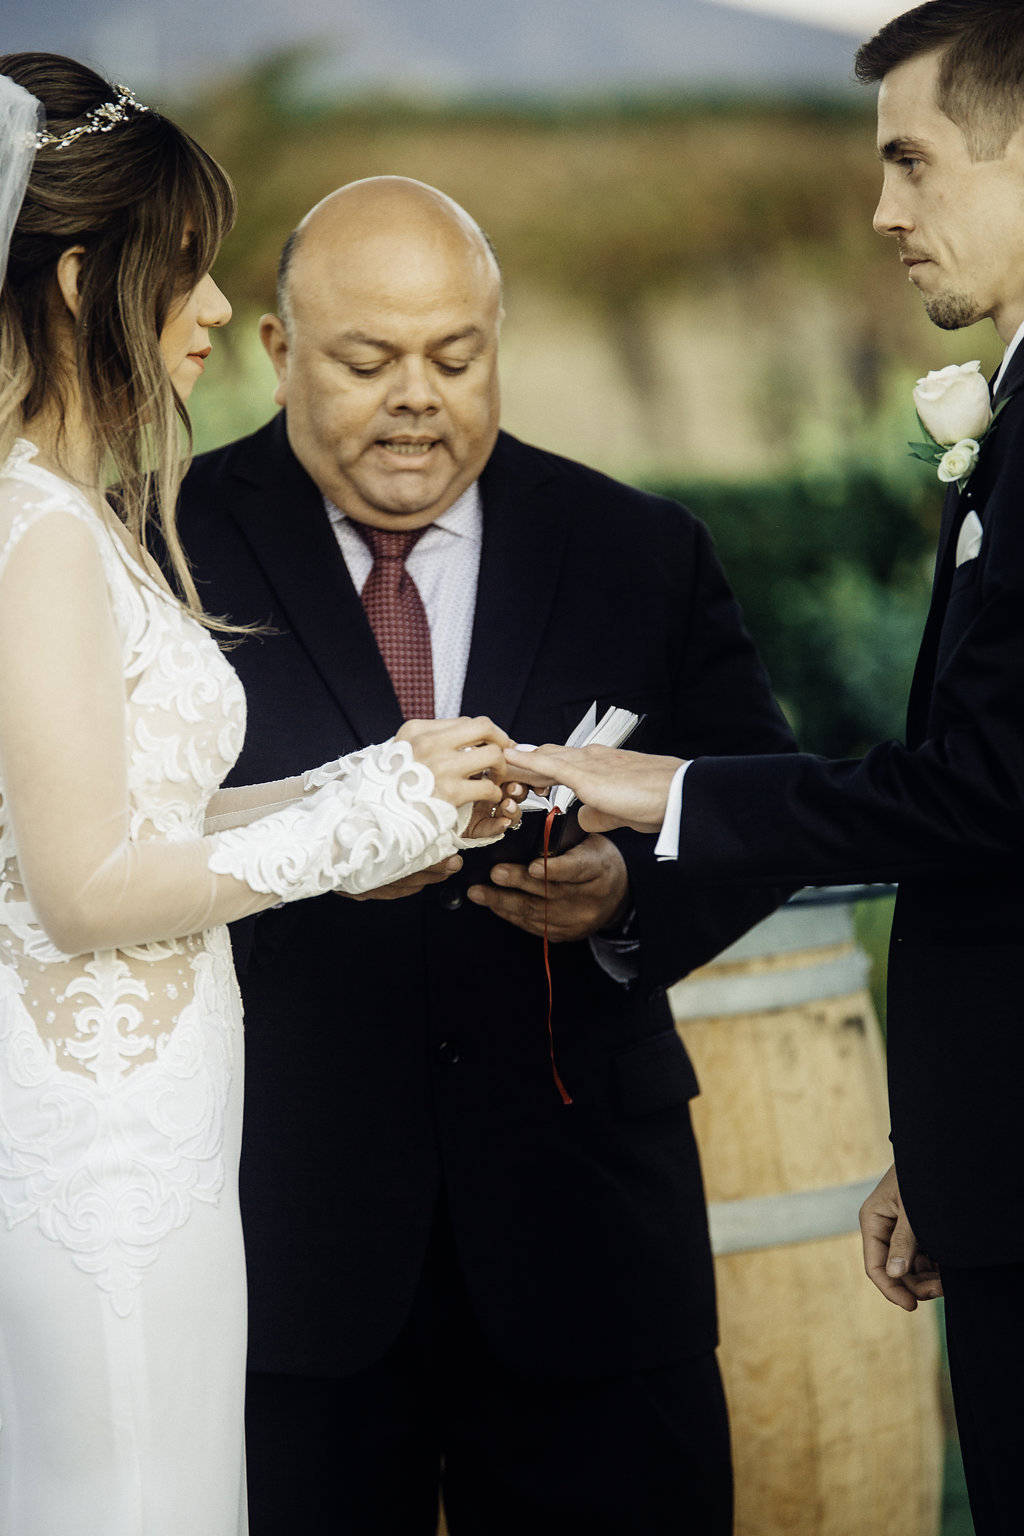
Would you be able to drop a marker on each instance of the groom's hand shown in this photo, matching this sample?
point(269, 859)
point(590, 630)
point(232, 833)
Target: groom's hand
point(588, 889)
point(892, 1259)
point(615, 788)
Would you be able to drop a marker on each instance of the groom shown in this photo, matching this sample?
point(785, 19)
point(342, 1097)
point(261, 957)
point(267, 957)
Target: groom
point(943, 815)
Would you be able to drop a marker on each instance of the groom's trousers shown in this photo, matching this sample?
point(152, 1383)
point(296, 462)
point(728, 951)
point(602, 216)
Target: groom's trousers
point(639, 1455)
point(985, 1338)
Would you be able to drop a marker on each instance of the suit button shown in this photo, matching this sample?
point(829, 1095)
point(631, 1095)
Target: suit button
point(448, 1053)
point(450, 896)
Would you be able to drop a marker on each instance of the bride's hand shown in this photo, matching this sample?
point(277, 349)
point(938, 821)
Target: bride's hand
point(488, 821)
point(467, 760)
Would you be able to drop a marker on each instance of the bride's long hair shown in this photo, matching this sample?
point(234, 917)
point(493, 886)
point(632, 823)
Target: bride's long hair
point(130, 196)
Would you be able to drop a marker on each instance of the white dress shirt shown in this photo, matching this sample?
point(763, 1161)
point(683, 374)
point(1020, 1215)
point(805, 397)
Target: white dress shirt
point(1011, 349)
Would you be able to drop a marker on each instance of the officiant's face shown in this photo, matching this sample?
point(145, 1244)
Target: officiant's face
point(959, 221)
point(387, 359)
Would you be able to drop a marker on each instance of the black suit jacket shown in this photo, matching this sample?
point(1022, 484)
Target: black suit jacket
point(398, 1048)
point(943, 815)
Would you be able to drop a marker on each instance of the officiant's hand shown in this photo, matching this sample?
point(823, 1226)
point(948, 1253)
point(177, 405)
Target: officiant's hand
point(409, 885)
point(617, 788)
point(588, 889)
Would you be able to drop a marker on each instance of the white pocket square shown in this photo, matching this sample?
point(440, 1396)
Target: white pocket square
point(968, 545)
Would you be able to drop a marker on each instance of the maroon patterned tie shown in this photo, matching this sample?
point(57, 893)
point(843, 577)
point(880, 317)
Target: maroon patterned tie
point(399, 620)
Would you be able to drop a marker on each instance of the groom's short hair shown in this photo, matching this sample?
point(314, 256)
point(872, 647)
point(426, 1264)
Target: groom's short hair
point(981, 73)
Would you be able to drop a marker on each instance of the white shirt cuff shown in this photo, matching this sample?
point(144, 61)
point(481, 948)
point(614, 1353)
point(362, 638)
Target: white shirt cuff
point(667, 846)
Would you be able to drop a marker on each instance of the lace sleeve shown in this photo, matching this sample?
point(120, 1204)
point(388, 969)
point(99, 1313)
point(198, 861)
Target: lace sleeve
point(361, 827)
point(242, 804)
point(64, 771)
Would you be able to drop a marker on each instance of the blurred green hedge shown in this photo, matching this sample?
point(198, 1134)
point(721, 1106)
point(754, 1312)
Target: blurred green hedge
point(834, 577)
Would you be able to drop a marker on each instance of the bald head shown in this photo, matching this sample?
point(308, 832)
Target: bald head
point(379, 218)
point(385, 349)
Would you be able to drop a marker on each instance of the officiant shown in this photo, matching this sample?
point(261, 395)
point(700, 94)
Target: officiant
point(448, 1262)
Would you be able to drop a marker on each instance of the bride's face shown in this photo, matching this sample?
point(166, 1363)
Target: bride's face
point(185, 339)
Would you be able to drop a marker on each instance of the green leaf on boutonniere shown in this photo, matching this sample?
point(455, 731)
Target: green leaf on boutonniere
point(931, 450)
point(1000, 408)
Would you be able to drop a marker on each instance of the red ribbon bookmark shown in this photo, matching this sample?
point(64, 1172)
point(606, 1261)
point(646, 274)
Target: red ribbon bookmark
point(548, 822)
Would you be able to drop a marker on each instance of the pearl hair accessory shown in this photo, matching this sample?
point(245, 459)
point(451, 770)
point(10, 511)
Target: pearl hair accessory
point(99, 120)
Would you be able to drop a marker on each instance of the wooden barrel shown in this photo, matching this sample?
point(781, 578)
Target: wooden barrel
point(833, 1392)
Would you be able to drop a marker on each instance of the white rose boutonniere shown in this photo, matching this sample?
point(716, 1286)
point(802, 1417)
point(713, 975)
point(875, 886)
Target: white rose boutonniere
point(955, 414)
point(957, 462)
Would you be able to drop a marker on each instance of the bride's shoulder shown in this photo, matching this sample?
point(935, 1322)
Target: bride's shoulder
point(29, 493)
point(26, 483)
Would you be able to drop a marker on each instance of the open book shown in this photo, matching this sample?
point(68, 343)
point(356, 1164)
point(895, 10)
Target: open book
point(614, 727)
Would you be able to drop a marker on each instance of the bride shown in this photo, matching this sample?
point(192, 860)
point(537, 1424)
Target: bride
point(122, 1294)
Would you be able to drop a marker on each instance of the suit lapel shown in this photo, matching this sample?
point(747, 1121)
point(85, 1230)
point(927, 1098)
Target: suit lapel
point(281, 514)
point(525, 529)
point(1013, 379)
point(954, 510)
point(924, 670)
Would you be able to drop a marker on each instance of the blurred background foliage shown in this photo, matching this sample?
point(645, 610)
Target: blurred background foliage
point(696, 301)
point(833, 573)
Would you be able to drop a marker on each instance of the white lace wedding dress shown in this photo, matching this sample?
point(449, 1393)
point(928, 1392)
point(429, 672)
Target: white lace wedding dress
point(122, 1287)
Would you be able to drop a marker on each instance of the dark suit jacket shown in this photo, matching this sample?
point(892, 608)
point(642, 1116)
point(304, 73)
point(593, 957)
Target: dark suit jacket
point(943, 815)
point(398, 1048)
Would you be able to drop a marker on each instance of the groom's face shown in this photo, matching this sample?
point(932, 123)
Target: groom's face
point(959, 221)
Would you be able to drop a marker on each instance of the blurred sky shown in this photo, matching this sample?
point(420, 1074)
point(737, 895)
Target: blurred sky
point(861, 16)
point(474, 47)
